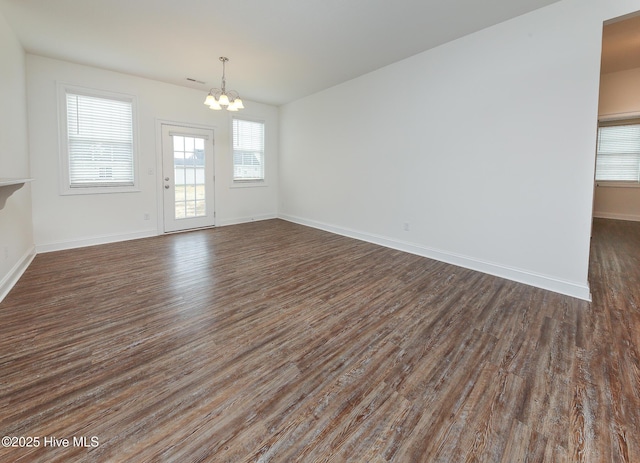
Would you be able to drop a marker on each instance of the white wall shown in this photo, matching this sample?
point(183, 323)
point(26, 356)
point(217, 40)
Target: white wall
point(16, 229)
point(619, 96)
point(483, 146)
point(68, 221)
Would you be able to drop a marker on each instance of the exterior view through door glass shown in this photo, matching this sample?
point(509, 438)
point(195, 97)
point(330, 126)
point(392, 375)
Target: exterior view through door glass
point(189, 184)
point(187, 178)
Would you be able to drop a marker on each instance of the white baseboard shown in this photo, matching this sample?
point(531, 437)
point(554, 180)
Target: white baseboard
point(101, 239)
point(105, 239)
point(521, 276)
point(16, 272)
point(239, 220)
point(615, 216)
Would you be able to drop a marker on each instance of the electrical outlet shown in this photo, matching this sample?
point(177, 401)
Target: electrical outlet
point(405, 226)
point(147, 216)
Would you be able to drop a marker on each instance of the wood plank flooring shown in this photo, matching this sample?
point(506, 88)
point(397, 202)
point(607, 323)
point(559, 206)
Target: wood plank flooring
point(273, 342)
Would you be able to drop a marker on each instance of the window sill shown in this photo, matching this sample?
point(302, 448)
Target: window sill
point(618, 184)
point(98, 190)
point(249, 184)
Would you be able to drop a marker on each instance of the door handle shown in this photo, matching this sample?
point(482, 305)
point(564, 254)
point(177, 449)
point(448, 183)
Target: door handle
point(166, 179)
point(166, 187)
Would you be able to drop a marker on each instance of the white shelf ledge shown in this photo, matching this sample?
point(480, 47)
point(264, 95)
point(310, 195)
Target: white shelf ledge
point(8, 186)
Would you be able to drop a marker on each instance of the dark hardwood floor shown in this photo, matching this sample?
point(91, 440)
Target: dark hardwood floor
point(274, 342)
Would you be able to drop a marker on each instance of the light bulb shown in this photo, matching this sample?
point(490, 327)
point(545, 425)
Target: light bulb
point(223, 100)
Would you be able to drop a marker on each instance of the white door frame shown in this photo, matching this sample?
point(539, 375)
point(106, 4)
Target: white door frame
point(165, 130)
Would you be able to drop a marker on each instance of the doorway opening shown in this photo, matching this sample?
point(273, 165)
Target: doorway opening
point(617, 194)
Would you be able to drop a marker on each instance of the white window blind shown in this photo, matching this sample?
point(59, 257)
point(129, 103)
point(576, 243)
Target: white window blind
point(248, 150)
point(618, 156)
point(99, 141)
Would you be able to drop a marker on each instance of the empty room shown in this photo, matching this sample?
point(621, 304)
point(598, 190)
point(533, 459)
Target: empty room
point(350, 231)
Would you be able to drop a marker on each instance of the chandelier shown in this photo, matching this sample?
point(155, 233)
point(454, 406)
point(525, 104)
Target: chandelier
point(219, 97)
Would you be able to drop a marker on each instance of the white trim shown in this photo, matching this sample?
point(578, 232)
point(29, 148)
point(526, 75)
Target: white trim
point(248, 184)
point(9, 281)
point(169, 222)
point(521, 276)
point(616, 216)
point(612, 184)
point(160, 160)
point(186, 125)
point(618, 116)
point(101, 239)
point(239, 220)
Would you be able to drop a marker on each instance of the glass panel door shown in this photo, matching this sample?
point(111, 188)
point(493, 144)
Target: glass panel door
point(188, 178)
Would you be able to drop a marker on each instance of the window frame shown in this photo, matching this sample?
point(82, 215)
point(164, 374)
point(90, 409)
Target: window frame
point(248, 183)
point(64, 177)
point(615, 122)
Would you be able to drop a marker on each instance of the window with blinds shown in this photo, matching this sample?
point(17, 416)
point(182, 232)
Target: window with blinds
point(248, 150)
point(618, 155)
point(99, 141)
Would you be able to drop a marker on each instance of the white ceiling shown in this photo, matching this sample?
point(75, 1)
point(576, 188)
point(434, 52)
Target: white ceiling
point(279, 50)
